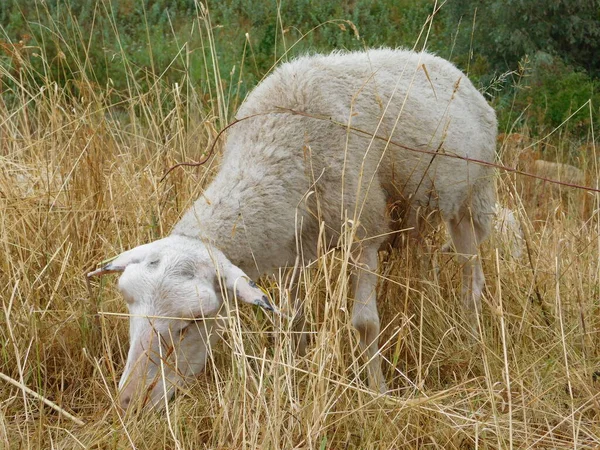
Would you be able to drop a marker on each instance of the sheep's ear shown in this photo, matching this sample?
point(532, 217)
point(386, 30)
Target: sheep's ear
point(133, 256)
point(244, 288)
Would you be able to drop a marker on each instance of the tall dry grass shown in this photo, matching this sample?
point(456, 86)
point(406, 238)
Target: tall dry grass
point(79, 182)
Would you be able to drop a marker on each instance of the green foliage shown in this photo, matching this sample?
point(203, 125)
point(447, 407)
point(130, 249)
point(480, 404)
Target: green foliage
point(305, 26)
point(128, 46)
point(96, 33)
point(506, 30)
point(550, 93)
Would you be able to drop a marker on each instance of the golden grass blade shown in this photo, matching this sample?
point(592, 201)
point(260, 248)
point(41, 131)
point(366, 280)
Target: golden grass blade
point(34, 394)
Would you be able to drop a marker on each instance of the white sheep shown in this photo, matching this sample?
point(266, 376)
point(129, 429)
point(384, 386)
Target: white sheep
point(326, 140)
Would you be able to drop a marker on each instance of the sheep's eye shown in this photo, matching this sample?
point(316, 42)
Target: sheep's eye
point(187, 274)
point(186, 270)
point(176, 331)
point(153, 263)
point(184, 329)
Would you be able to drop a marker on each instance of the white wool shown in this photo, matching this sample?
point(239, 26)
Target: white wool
point(271, 161)
point(323, 139)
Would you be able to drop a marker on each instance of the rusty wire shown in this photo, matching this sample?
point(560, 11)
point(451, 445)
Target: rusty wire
point(436, 153)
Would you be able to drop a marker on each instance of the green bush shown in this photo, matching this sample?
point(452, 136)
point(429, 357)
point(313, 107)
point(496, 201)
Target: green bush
point(506, 30)
point(550, 93)
point(126, 47)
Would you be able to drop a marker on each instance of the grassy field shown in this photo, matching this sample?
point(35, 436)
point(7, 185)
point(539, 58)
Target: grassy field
point(80, 182)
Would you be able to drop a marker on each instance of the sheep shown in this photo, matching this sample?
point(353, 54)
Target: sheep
point(548, 196)
point(558, 197)
point(324, 141)
point(519, 151)
point(558, 171)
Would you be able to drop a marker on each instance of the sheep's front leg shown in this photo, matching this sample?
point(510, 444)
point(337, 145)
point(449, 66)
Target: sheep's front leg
point(364, 315)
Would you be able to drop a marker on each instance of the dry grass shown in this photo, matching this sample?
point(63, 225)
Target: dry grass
point(79, 182)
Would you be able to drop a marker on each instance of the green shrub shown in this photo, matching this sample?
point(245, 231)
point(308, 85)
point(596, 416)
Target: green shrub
point(550, 93)
point(130, 46)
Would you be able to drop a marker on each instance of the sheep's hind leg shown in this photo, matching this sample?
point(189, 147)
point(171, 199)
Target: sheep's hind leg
point(466, 238)
point(364, 314)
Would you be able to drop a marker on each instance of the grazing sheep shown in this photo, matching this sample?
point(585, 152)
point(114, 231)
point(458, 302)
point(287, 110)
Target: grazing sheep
point(559, 172)
point(553, 197)
point(326, 140)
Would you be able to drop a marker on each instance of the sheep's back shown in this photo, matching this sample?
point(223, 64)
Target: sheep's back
point(399, 107)
point(340, 134)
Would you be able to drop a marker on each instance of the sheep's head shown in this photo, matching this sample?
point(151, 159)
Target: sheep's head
point(173, 288)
